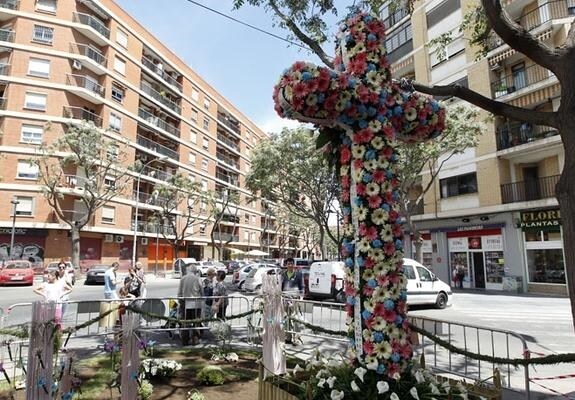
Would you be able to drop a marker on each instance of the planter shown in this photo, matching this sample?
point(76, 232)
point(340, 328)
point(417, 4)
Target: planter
point(269, 389)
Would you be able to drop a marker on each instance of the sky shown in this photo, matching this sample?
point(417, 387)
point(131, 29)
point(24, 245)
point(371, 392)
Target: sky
point(242, 64)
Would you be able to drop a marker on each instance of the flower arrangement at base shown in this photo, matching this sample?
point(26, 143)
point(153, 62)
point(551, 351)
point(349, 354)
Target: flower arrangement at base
point(157, 368)
point(145, 390)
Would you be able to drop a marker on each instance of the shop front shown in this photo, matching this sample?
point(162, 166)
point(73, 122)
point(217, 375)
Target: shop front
point(29, 244)
point(543, 251)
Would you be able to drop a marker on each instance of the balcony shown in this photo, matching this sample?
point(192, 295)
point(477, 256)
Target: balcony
point(94, 23)
point(93, 59)
point(229, 123)
point(516, 133)
point(156, 173)
point(150, 91)
point(153, 227)
point(73, 181)
point(537, 17)
point(7, 35)
point(227, 160)
point(519, 79)
point(225, 237)
point(228, 142)
point(82, 114)
point(10, 4)
point(88, 88)
point(149, 198)
point(157, 122)
point(535, 189)
point(156, 147)
point(228, 178)
point(159, 72)
point(4, 69)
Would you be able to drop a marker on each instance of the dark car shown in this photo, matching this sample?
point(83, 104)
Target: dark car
point(96, 274)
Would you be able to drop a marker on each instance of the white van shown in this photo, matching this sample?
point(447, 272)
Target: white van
point(180, 266)
point(423, 287)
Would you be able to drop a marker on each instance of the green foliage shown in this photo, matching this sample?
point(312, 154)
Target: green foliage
point(211, 375)
point(194, 395)
point(145, 390)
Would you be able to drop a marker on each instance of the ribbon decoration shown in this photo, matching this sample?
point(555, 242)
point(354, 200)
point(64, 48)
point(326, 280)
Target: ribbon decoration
point(4, 372)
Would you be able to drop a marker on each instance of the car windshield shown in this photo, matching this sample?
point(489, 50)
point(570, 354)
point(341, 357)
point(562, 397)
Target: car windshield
point(17, 266)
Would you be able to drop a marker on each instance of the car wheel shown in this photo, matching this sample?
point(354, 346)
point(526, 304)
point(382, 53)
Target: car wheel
point(241, 285)
point(441, 301)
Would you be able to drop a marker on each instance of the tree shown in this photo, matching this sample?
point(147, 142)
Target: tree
point(225, 209)
point(305, 21)
point(462, 130)
point(288, 169)
point(184, 207)
point(81, 165)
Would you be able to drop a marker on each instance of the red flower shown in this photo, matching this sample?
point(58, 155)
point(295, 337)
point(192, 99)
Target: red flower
point(345, 196)
point(369, 263)
point(374, 201)
point(368, 347)
point(357, 67)
point(393, 215)
point(371, 233)
point(383, 281)
point(406, 351)
point(367, 291)
point(389, 248)
point(358, 164)
point(370, 322)
point(389, 132)
point(397, 231)
point(345, 180)
point(299, 65)
point(392, 369)
point(300, 90)
point(360, 188)
point(387, 152)
point(389, 315)
point(363, 93)
point(330, 102)
point(379, 176)
point(379, 310)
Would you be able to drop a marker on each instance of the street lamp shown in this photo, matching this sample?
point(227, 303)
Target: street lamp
point(14, 203)
point(134, 245)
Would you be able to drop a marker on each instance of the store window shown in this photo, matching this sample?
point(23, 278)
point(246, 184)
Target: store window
point(546, 266)
point(494, 266)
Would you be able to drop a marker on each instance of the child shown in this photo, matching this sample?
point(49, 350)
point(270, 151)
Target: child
point(52, 291)
point(173, 305)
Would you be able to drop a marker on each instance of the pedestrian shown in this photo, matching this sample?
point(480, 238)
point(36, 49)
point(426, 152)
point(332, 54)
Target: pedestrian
point(208, 292)
point(51, 290)
point(460, 275)
point(111, 281)
point(190, 289)
point(126, 298)
point(65, 281)
point(133, 283)
point(292, 289)
point(142, 276)
point(221, 296)
point(455, 276)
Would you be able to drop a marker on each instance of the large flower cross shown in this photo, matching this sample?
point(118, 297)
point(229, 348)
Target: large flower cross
point(371, 113)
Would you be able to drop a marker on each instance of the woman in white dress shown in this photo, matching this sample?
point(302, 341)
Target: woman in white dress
point(51, 290)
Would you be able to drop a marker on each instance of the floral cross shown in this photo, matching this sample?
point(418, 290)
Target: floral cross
point(367, 114)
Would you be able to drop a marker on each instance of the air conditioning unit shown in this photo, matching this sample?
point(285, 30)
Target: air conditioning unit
point(119, 239)
point(77, 65)
point(109, 238)
point(144, 241)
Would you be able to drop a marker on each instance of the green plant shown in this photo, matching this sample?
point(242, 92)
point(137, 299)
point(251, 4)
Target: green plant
point(145, 390)
point(211, 375)
point(194, 395)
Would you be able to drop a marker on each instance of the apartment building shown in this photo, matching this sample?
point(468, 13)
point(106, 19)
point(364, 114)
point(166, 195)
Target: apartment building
point(492, 210)
point(64, 61)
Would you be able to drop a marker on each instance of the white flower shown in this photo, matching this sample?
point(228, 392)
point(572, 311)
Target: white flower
point(321, 383)
point(333, 363)
point(419, 377)
point(413, 393)
point(297, 369)
point(232, 357)
point(372, 366)
point(360, 373)
point(434, 389)
point(336, 395)
point(330, 381)
point(394, 396)
point(354, 386)
point(382, 387)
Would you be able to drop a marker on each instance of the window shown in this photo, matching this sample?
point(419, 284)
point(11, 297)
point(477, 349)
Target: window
point(122, 38)
point(206, 143)
point(25, 206)
point(546, 266)
point(456, 47)
point(115, 122)
point(112, 152)
point(32, 134)
point(27, 170)
point(43, 34)
point(46, 5)
point(195, 94)
point(399, 37)
point(194, 117)
point(408, 271)
point(392, 14)
point(253, 219)
point(442, 11)
point(206, 123)
point(246, 235)
point(207, 103)
point(35, 101)
point(458, 185)
point(205, 164)
point(204, 185)
point(202, 229)
point(248, 135)
point(39, 67)
point(424, 275)
point(192, 178)
point(193, 137)
point(110, 181)
point(118, 92)
point(247, 218)
point(108, 215)
point(192, 158)
point(119, 65)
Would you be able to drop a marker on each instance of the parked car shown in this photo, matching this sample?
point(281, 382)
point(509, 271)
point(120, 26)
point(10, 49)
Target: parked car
point(241, 274)
point(253, 282)
point(96, 274)
point(203, 266)
point(17, 272)
point(179, 264)
point(326, 280)
point(71, 270)
point(234, 265)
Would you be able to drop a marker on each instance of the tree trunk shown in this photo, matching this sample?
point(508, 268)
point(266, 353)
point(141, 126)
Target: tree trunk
point(75, 240)
point(322, 240)
point(418, 243)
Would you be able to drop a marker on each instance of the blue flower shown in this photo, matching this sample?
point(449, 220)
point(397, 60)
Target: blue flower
point(386, 207)
point(371, 111)
point(389, 174)
point(435, 106)
point(346, 210)
point(389, 304)
point(371, 154)
point(397, 110)
point(377, 243)
point(349, 262)
point(378, 337)
point(349, 38)
point(358, 201)
point(371, 37)
point(350, 300)
point(380, 369)
point(363, 123)
point(366, 314)
point(351, 82)
point(383, 95)
point(320, 98)
point(367, 178)
point(360, 261)
point(394, 157)
point(382, 118)
point(398, 320)
point(367, 19)
point(398, 244)
point(389, 112)
point(306, 76)
point(333, 74)
point(395, 357)
point(371, 67)
point(349, 247)
point(372, 283)
point(362, 110)
point(403, 294)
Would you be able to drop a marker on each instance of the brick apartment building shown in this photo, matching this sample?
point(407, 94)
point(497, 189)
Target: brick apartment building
point(64, 61)
point(492, 209)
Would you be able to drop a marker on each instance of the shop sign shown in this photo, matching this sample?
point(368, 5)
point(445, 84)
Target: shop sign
point(492, 243)
point(458, 244)
point(540, 219)
point(474, 242)
point(24, 232)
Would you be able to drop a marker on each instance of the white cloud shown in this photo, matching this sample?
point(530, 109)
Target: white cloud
point(275, 124)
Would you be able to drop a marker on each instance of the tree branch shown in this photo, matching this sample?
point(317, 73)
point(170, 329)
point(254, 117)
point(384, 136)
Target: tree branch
point(312, 44)
point(518, 38)
point(492, 106)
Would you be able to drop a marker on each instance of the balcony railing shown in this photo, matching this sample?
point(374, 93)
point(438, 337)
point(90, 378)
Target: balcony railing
point(149, 90)
point(82, 81)
point(228, 160)
point(149, 198)
point(537, 17)
point(534, 189)
point(156, 173)
point(6, 35)
point(88, 51)
point(225, 121)
point(158, 148)
point(519, 79)
point(228, 142)
point(227, 178)
point(74, 181)
point(10, 4)
point(153, 227)
point(224, 237)
point(93, 22)
point(85, 115)
point(170, 80)
point(156, 121)
point(4, 69)
point(516, 133)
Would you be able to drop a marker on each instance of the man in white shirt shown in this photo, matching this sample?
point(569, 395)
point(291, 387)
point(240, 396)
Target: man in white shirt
point(110, 282)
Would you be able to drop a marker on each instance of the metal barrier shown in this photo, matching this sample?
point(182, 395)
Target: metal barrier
point(475, 339)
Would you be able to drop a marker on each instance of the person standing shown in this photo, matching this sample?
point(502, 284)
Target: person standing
point(51, 290)
point(221, 296)
point(142, 277)
point(190, 308)
point(110, 282)
point(65, 281)
point(460, 275)
point(292, 288)
point(133, 283)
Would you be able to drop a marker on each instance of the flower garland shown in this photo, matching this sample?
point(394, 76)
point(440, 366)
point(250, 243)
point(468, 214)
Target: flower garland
point(371, 113)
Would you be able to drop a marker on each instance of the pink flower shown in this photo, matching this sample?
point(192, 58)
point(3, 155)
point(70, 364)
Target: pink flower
point(370, 322)
point(367, 291)
point(300, 90)
point(405, 351)
point(374, 201)
point(358, 164)
point(383, 280)
point(371, 233)
point(393, 369)
point(369, 262)
point(389, 248)
point(368, 347)
point(389, 315)
point(379, 310)
point(379, 176)
point(345, 179)
point(360, 189)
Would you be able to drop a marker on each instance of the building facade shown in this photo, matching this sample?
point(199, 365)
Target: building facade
point(64, 61)
point(493, 209)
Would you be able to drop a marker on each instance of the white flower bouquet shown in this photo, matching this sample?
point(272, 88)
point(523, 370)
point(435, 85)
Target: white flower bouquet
point(152, 368)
